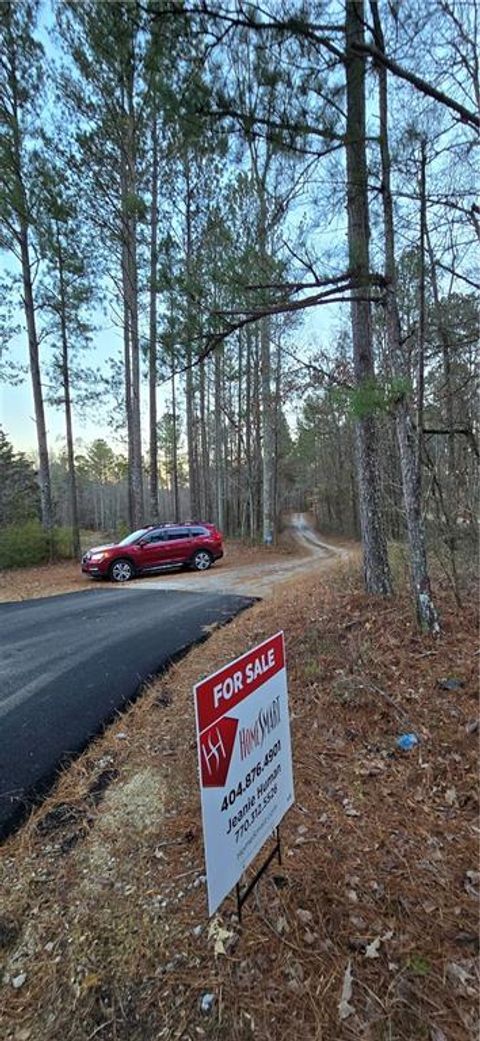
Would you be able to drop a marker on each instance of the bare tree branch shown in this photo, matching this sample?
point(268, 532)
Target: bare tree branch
point(466, 115)
point(456, 274)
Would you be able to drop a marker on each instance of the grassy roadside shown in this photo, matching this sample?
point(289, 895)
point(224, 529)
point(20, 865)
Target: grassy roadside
point(103, 928)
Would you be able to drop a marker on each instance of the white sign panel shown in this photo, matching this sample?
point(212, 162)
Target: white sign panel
point(245, 761)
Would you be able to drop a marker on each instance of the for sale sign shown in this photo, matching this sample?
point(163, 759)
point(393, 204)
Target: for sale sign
point(245, 761)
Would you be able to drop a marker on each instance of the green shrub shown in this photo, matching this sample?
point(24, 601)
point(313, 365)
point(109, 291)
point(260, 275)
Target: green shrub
point(62, 542)
point(25, 545)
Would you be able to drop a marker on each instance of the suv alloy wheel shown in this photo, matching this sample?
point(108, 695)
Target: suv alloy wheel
point(202, 560)
point(121, 571)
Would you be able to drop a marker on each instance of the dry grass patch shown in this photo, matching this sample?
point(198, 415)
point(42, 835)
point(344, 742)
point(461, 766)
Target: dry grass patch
point(45, 580)
point(104, 909)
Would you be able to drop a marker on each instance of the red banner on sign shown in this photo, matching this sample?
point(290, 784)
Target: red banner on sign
point(221, 692)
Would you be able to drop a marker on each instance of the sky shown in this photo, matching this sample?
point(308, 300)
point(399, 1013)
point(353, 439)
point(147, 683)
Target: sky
point(16, 402)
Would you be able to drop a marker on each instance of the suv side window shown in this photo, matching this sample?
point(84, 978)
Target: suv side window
point(155, 536)
point(177, 533)
point(199, 531)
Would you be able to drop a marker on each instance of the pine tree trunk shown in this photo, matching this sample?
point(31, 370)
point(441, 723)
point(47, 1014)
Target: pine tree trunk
point(191, 433)
point(189, 414)
point(127, 383)
point(268, 452)
point(268, 519)
point(375, 559)
point(219, 446)
point(238, 462)
point(448, 497)
point(127, 357)
point(189, 383)
point(46, 506)
point(128, 184)
point(409, 462)
point(426, 611)
point(276, 425)
point(33, 353)
point(176, 503)
point(257, 441)
point(248, 429)
point(132, 298)
point(72, 479)
point(421, 309)
point(354, 502)
point(205, 505)
point(152, 345)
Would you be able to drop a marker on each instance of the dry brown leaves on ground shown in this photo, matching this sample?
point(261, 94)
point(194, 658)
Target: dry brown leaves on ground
point(367, 931)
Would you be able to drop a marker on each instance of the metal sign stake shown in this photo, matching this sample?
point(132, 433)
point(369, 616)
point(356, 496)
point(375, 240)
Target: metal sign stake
point(242, 897)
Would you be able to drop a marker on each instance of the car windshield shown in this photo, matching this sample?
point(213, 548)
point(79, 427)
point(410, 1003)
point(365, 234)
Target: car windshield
point(133, 537)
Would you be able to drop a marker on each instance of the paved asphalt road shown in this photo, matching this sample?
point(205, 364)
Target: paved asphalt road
point(67, 663)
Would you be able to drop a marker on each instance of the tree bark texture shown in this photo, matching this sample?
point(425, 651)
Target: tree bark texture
point(448, 494)
point(421, 308)
point(189, 381)
point(219, 442)
point(205, 504)
point(28, 299)
point(152, 345)
point(255, 440)
point(132, 298)
point(176, 502)
point(239, 445)
point(34, 359)
point(277, 405)
point(127, 378)
point(72, 478)
point(409, 461)
point(268, 448)
point(375, 558)
point(249, 431)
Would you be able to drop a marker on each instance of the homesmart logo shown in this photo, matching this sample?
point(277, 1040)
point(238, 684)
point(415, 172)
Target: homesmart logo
point(216, 748)
point(254, 736)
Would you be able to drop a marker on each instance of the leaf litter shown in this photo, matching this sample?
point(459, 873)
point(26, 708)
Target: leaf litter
point(345, 1009)
point(112, 934)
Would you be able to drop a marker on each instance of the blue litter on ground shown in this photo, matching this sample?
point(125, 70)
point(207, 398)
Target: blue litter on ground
point(406, 742)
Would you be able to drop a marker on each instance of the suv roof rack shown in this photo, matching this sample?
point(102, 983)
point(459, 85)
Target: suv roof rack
point(205, 524)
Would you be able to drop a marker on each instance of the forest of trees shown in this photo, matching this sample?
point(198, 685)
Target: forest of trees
point(211, 178)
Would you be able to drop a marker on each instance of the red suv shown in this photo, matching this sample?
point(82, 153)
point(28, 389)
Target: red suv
point(155, 549)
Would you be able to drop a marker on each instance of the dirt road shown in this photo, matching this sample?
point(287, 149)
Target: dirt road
point(256, 579)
